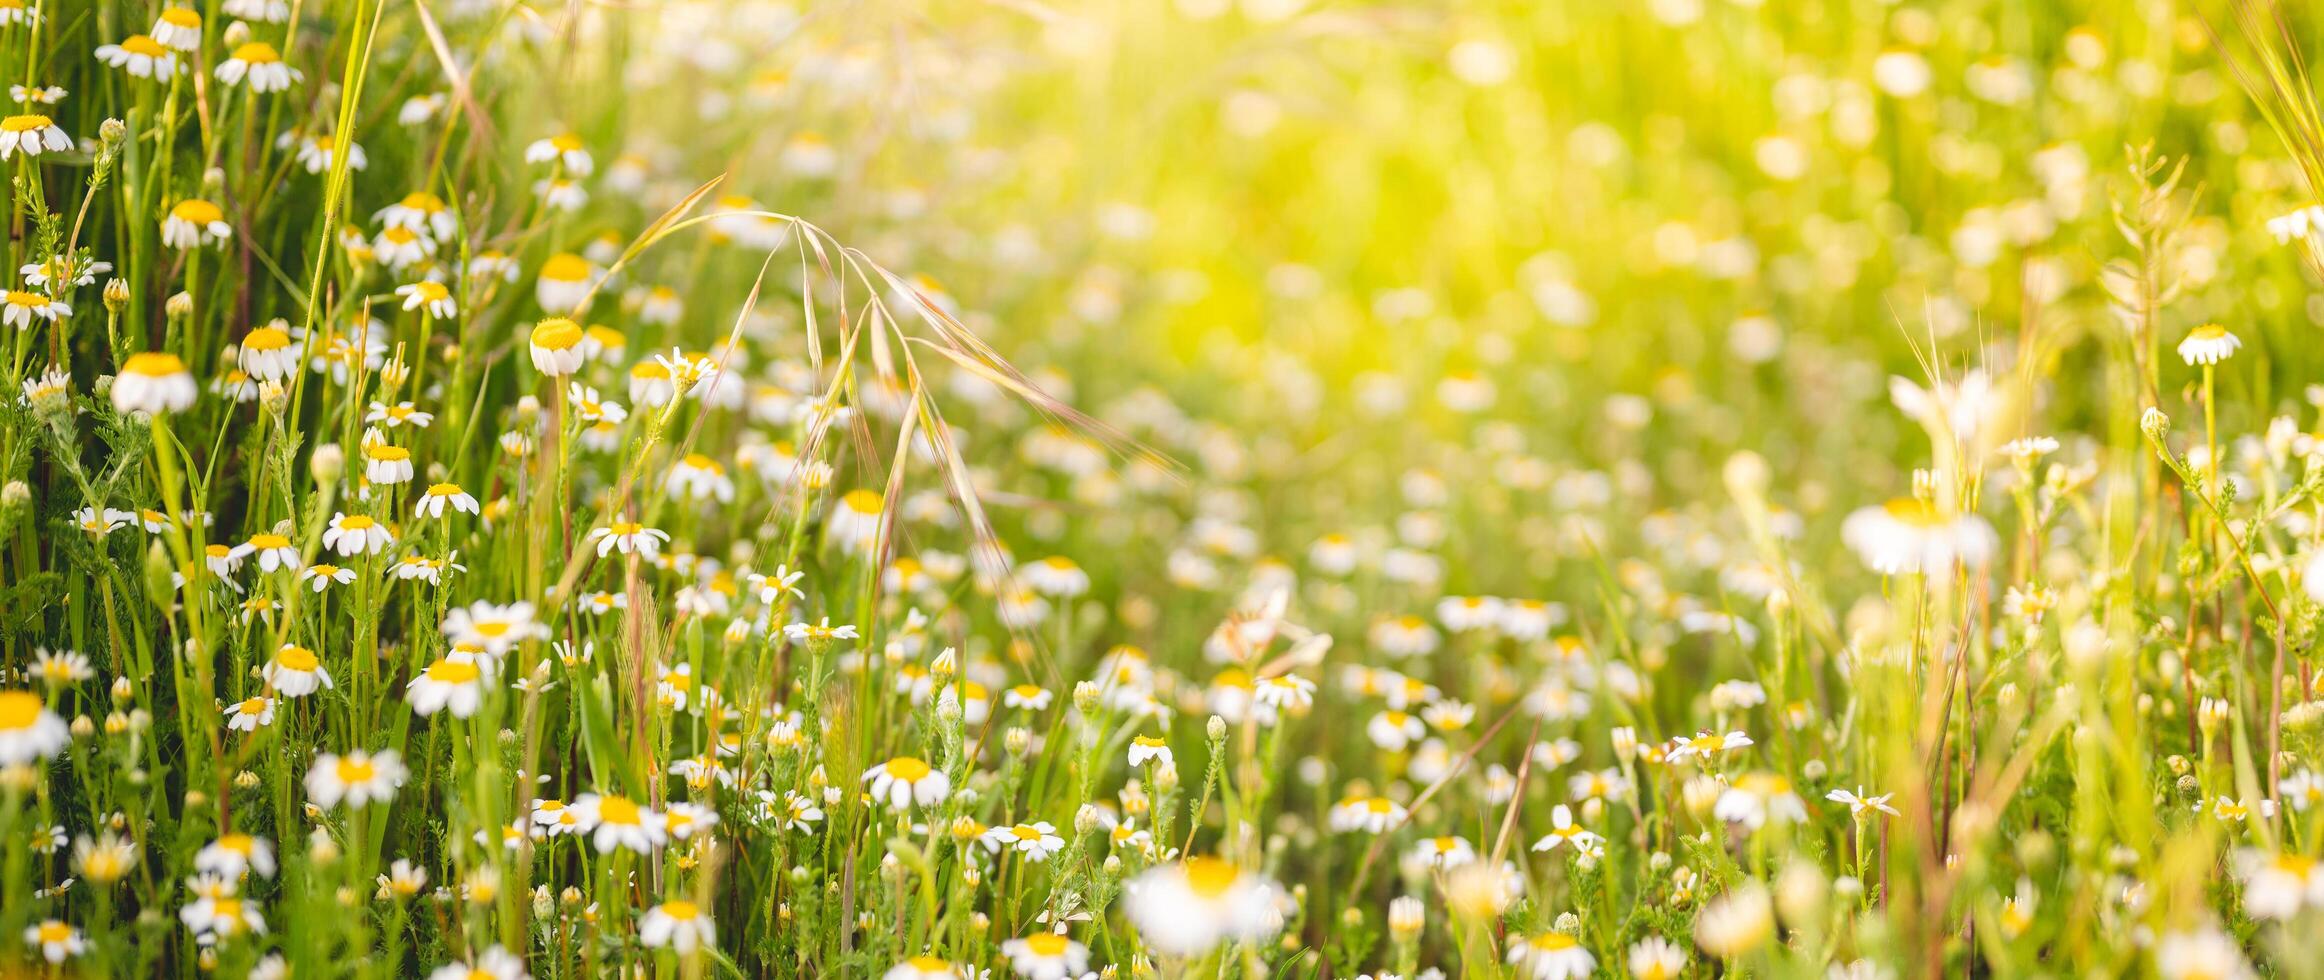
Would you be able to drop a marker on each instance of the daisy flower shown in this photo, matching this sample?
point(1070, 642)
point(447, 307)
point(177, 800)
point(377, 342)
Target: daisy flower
point(317, 153)
point(57, 941)
point(273, 551)
point(23, 307)
point(428, 295)
point(495, 963)
point(2207, 345)
point(356, 779)
point(1860, 805)
point(250, 714)
point(1552, 956)
point(1147, 748)
point(1370, 814)
point(1036, 841)
point(454, 682)
point(563, 282)
point(1706, 744)
point(1758, 797)
point(261, 65)
point(494, 629)
point(295, 672)
point(556, 347)
point(1908, 536)
point(420, 212)
point(356, 534)
point(1564, 831)
point(193, 223)
point(386, 465)
point(617, 821)
point(904, 781)
point(141, 57)
point(441, 495)
point(924, 968)
point(680, 926)
point(154, 382)
point(629, 537)
point(31, 135)
point(1186, 908)
point(323, 576)
point(269, 353)
point(28, 730)
point(235, 855)
point(1046, 956)
point(179, 27)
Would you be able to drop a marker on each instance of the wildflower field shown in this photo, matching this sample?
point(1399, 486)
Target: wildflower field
point(1183, 488)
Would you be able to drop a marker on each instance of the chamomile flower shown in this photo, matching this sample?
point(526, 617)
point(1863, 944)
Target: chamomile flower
point(556, 347)
point(1036, 841)
point(319, 152)
point(423, 213)
point(1186, 908)
point(854, 521)
point(563, 282)
point(269, 353)
point(219, 912)
point(258, 63)
point(1370, 814)
point(250, 714)
point(439, 496)
point(141, 56)
point(904, 781)
point(1705, 745)
point(629, 537)
point(1908, 536)
point(261, 11)
point(234, 855)
point(1551, 955)
point(57, 941)
point(355, 779)
point(31, 135)
point(154, 382)
point(193, 223)
point(492, 628)
point(1564, 832)
point(430, 296)
point(356, 534)
point(19, 308)
point(28, 730)
point(698, 477)
point(495, 963)
point(272, 551)
point(1046, 956)
point(565, 150)
point(2207, 345)
point(613, 821)
point(1394, 730)
point(1757, 797)
point(400, 248)
point(321, 576)
point(455, 682)
point(179, 27)
point(1860, 805)
point(295, 672)
point(384, 464)
point(680, 926)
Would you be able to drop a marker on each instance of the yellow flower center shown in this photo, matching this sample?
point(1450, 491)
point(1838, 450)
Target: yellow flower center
point(295, 658)
point(257, 53)
point(25, 124)
point(682, 911)
point(618, 809)
point(565, 267)
point(1046, 944)
point(1210, 877)
point(353, 770)
point(153, 364)
point(266, 338)
point(556, 333)
point(908, 769)
point(139, 44)
point(19, 710)
point(453, 672)
point(181, 17)
point(197, 211)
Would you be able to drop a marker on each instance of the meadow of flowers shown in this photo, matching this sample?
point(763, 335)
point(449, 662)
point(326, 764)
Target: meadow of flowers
point(1197, 488)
